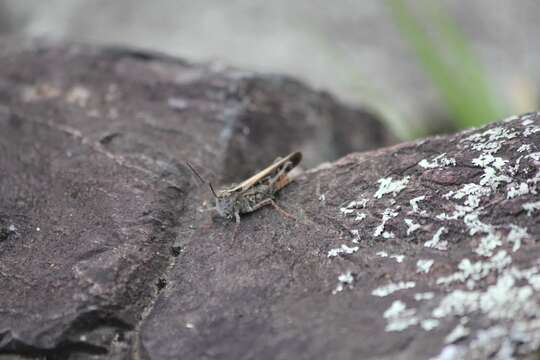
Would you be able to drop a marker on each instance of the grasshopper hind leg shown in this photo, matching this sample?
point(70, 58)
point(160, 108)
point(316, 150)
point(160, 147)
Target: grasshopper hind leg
point(269, 201)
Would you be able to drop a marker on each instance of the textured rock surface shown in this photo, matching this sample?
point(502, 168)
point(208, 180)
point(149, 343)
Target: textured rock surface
point(415, 251)
point(95, 200)
point(420, 250)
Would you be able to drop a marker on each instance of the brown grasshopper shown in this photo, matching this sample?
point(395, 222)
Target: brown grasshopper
point(255, 192)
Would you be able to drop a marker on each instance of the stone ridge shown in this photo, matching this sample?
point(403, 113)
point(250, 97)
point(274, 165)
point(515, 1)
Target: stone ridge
point(424, 250)
point(94, 191)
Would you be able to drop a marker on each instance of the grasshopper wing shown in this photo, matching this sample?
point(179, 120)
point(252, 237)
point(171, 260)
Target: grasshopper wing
point(293, 158)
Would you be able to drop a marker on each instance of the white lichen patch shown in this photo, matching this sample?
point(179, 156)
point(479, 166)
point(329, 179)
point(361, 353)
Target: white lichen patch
point(503, 300)
point(387, 215)
point(351, 207)
point(493, 238)
point(424, 296)
point(356, 236)
point(343, 249)
point(516, 236)
point(533, 183)
point(411, 226)
point(491, 179)
point(458, 333)
point(384, 254)
point(392, 288)
point(360, 217)
point(488, 244)
point(344, 280)
point(487, 159)
point(495, 289)
point(491, 140)
point(389, 186)
point(531, 207)
point(414, 203)
point(472, 193)
point(437, 162)
point(346, 211)
point(436, 242)
point(429, 324)
point(424, 265)
point(515, 190)
point(524, 148)
point(513, 170)
point(535, 156)
point(530, 130)
point(451, 352)
point(475, 225)
point(471, 272)
point(527, 119)
point(534, 281)
point(399, 317)
point(483, 283)
point(494, 342)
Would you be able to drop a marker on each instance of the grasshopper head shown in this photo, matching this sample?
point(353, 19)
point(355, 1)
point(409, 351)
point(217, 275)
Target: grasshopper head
point(225, 206)
point(224, 203)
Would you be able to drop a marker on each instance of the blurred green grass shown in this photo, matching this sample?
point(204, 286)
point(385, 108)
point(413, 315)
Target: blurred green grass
point(450, 63)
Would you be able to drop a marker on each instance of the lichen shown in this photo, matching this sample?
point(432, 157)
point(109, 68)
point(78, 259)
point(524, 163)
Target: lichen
point(399, 317)
point(436, 242)
point(424, 296)
point(392, 288)
point(484, 283)
point(411, 226)
point(414, 204)
point(384, 254)
point(344, 280)
point(389, 186)
point(387, 215)
point(458, 333)
point(531, 207)
point(471, 272)
point(437, 162)
point(343, 249)
point(424, 265)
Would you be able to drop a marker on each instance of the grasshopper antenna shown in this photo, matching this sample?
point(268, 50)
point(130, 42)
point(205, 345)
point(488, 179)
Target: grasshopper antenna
point(212, 189)
point(200, 178)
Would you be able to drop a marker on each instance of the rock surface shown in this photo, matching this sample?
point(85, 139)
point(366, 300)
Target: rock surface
point(422, 250)
point(416, 251)
point(95, 199)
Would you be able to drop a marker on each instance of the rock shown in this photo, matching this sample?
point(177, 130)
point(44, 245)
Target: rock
point(96, 202)
point(440, 260)
point(420, 250)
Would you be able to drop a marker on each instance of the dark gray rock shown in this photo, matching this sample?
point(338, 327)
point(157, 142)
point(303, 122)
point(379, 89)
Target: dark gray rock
point(423, 249)
point(96, 204)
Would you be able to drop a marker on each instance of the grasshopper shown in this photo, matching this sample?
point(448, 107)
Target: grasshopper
point(256, 192)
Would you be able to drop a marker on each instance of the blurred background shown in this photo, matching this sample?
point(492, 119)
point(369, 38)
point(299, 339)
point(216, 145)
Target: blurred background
point(425, 66)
